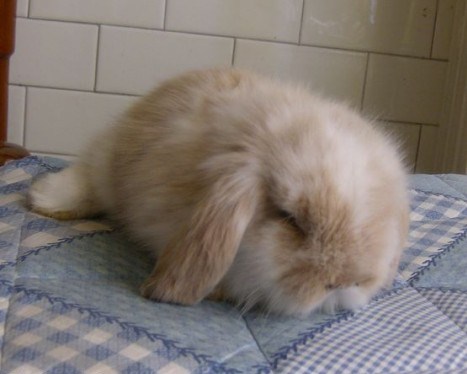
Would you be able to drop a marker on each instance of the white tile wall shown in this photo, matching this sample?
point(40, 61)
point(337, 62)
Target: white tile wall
point(22, 7)
point(443, 30)
point(426, 155)
point(405, 89)
point(139, 13)
point(407, 136)
point(396, 26)
point(17, 102)
point(132, 61)
point(74, 58)
point(338, 74)
point(261, 19)
point(72, 117)
point(54, 54)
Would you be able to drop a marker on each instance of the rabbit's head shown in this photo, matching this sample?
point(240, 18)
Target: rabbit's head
point(329, 224)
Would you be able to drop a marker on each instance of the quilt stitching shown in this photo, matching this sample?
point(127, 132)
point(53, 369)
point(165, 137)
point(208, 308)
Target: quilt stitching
point(28, 161)
point(421, 267)
point(418, 190)
point(438, 224)
point(432, 260)
point(435, 210)
point(310, 334)
point(130, 327)
point(50, 246)
point(432, 342)
point(261, 369)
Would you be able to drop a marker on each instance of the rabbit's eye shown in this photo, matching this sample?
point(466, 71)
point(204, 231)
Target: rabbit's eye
point(330, 287)
point(289, 218)
point(291, 221)
point(284, 214)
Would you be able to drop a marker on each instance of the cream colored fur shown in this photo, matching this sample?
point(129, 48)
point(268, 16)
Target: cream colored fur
point(247, 190)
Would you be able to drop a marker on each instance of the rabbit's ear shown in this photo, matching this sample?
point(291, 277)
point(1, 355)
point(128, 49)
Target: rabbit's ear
point(197, 258)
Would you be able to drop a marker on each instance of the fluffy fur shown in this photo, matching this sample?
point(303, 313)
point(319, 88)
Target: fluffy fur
point(247, 190)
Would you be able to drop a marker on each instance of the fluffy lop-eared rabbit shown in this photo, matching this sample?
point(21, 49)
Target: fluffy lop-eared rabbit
point(246, 190)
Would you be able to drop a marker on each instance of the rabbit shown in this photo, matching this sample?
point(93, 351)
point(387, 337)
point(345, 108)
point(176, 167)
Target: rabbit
point(248, 190)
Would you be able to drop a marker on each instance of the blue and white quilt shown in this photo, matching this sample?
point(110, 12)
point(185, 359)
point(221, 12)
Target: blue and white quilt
point(69, 302)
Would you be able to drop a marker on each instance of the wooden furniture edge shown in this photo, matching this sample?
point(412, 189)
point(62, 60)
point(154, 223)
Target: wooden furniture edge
point(7, 45)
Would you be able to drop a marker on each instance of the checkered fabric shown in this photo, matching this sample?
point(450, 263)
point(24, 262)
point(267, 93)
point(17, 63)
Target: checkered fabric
point(453, 303)
point(401, 333)
point(69, 303)
point(67, 339)
point(437, 223)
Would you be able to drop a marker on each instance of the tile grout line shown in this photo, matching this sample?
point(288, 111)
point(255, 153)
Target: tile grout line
point(96, 65)
point(365, 79)
point(300, 31)
point(25, 116)
point(164, 21)
point(409, 123)
point(404, 123)
point(434, 28)
point(233, 52)
point(54, 154)
point(99, 92)
point(291, 43)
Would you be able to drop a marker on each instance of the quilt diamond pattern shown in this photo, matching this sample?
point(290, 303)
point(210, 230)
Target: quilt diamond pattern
point(65, 339)
point(69, 302)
